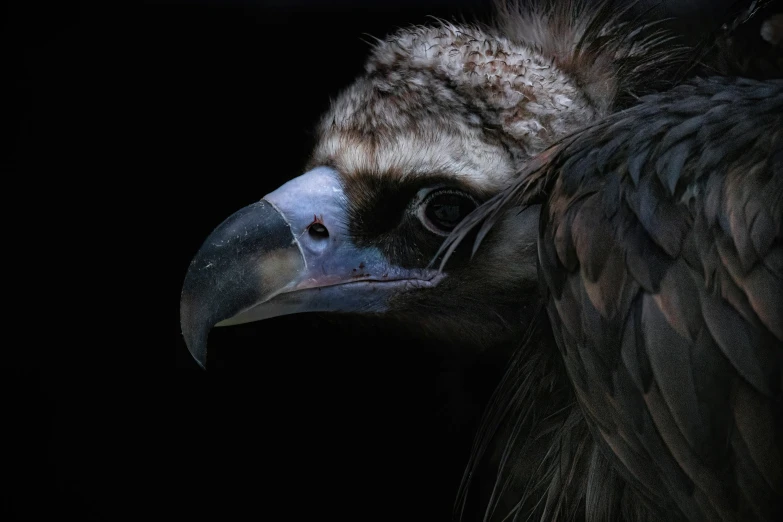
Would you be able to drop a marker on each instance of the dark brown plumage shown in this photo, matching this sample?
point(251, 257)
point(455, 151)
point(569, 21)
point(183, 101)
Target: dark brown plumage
point(661, 262)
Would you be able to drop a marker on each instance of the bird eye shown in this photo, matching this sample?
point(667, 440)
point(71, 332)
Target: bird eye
point(442, 210)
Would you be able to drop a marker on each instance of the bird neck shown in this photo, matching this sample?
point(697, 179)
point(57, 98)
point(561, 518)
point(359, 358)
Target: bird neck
point(534, 454)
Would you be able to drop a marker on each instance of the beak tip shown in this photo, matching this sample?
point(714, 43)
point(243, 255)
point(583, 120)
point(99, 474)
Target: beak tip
point(201, 364)
point(197, 351)
point(194, 332)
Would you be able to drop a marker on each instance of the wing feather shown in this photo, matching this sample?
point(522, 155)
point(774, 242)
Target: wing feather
point(660, 251)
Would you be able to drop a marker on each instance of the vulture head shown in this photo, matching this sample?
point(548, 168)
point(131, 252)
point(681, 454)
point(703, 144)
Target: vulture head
point(441, 120)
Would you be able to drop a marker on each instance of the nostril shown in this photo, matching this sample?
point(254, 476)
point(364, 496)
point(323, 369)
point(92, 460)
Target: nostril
point(318, 231)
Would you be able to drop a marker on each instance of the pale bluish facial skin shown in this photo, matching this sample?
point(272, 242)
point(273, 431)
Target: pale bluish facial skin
point(337, 275)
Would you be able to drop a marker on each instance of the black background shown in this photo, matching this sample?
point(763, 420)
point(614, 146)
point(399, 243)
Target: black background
point(145, 125)
point(137, 128)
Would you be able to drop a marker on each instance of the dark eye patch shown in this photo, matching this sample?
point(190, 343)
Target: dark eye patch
point(378, 215)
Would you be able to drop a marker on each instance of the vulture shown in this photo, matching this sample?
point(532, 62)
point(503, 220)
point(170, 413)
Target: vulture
point(544, 183)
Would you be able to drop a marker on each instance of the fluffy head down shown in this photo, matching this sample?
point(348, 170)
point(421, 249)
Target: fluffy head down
point(477, 102)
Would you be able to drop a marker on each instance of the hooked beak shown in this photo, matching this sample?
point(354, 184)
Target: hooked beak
point(290, 252)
